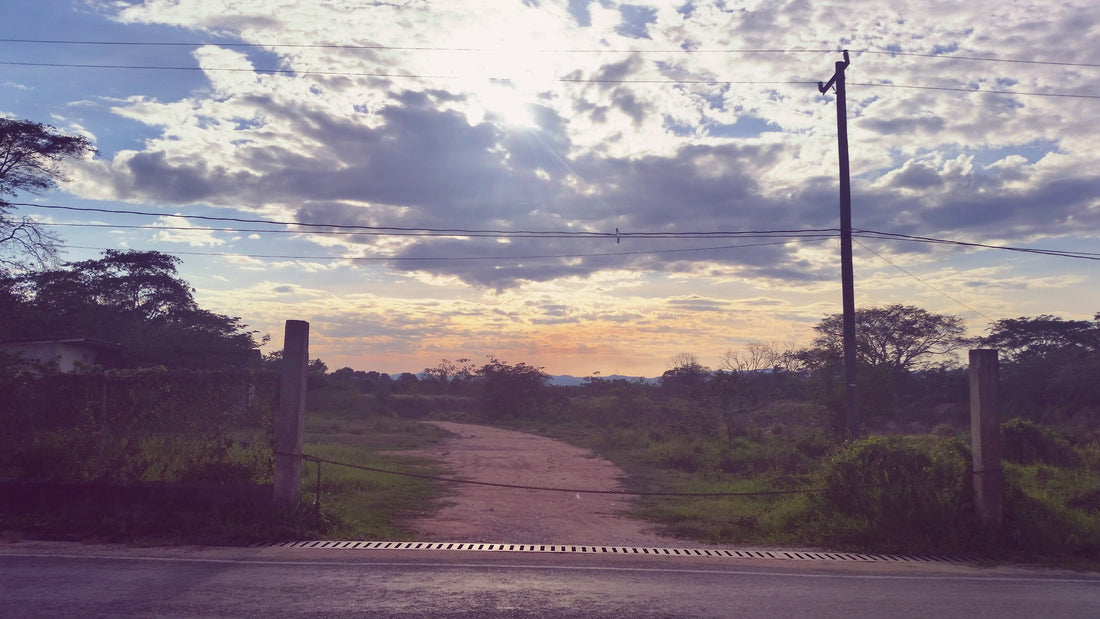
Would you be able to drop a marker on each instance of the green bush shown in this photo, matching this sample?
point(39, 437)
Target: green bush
point(896, 495)
point(1024, 442)
point(1046, 515)
point(136, 425)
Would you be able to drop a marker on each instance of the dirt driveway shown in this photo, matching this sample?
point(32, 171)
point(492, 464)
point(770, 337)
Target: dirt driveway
point(503, 515)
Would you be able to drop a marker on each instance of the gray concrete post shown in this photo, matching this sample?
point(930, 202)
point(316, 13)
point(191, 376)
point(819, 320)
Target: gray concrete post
point(290, 424)
point(985, 438)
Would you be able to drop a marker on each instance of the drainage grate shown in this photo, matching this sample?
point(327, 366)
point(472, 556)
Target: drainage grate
point(804, 555)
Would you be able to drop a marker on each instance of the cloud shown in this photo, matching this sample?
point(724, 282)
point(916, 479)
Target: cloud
point(181, 231)
point(408, 137)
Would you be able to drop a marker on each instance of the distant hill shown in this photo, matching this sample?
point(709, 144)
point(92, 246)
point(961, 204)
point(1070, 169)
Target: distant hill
point(565, 380)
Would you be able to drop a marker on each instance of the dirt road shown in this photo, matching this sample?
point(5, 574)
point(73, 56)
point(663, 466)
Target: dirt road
point(503, 515)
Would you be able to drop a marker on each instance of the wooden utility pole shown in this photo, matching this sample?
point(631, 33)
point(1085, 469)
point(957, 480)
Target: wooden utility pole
point(290, 424)
point(985, 438)
point(847, 278)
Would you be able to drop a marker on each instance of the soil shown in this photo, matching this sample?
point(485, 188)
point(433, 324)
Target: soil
point(476, 513)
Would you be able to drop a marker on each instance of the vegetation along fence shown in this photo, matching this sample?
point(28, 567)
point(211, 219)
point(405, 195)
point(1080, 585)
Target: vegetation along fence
point(143, 425)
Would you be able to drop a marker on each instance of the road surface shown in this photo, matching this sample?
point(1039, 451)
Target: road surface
point(51, 579)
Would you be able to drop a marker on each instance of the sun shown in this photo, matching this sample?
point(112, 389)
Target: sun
point(506, 103)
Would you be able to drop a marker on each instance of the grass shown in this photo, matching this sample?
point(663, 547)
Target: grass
point(872, 495)
point(355, 504)
point(358, 504)
point(863, 494)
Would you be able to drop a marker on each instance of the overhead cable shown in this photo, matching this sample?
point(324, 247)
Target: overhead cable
point(323, 228)
point(330, 228)
point(498, 258)
point(601, 50)
point(569, 80)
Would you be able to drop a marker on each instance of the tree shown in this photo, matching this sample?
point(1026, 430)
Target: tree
point(756, 356)
point(449, 376)
point(1023, 337)
point(900, 337)
point(1050, 366)
point(510, 390)
point(132, 298)
point(31, 155)
point(687, 377)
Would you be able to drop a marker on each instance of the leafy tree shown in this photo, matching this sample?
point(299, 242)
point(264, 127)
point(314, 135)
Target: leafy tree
point(510, 390)
point(1050, 367)
point(132, 298)
point(406, 382)
point(449, 376)
point(901, 337)
point(1020, 338)
point(687, 377)
point(894, 345)
point(31, 155)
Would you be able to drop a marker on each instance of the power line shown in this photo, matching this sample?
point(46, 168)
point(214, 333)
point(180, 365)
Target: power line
point(469, 258)
point(321, 228)
point(437, 48)
point(759, 234)
point(418, 48)
point(566, 80)
point(937, 290)
point(1054, 63)
point(979, 91)
point(924, 239)
point(331, 228)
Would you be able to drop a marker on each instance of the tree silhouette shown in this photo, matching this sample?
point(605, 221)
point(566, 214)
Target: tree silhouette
point(132, 298)
point(901, 337)
point(31, 155)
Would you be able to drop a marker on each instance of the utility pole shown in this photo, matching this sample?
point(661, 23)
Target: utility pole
point(847, 278)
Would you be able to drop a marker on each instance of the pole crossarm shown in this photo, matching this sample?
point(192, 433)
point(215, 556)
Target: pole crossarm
point(824, 87)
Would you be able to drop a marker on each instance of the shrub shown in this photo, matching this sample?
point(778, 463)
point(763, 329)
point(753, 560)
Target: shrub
point(135, 425)
point(893, 494)
point(1040, 522)
point(1024, 442)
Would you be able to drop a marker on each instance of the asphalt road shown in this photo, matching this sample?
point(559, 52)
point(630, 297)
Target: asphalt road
point(39, 579)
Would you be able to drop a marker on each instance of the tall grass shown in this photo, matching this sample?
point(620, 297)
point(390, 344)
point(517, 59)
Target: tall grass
point(909, 494)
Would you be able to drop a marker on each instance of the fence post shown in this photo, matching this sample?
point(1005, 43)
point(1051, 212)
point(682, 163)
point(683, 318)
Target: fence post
point(290, 424)
point(985, 438)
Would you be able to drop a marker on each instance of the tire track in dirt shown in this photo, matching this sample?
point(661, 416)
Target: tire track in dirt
point(505, 515)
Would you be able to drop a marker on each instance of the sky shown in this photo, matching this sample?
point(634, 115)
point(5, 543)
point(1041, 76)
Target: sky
point(584, 186)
